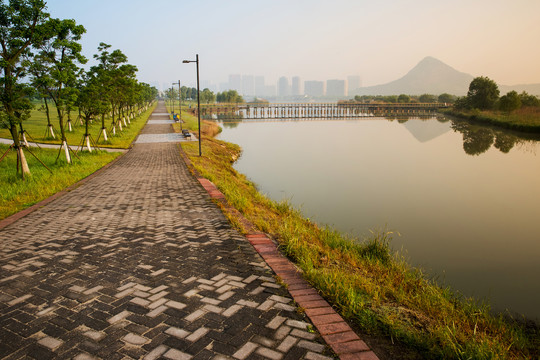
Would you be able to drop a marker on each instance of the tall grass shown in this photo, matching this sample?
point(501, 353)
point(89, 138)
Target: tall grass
point(365, 280)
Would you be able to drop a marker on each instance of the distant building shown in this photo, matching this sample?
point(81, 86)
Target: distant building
point(283, 87)
point(235, 82)
point(269, 90)
point(314, 88)
point(354, 82)
point(259, 86)
point(248, 85)
point(335, 87)
point(295, 87)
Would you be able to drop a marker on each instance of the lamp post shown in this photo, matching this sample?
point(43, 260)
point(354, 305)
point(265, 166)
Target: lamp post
point(180, 104)
point(172, 98)
point(198, 98)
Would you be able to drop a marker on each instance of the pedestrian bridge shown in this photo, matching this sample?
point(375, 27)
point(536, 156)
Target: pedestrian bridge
point(316, 110)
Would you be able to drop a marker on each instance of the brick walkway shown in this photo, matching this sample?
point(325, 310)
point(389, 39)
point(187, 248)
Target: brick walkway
point(138, 262)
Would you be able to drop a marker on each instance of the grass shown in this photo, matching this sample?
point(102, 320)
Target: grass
point(36, 126)
point(368, 283)
point(525, 119)
point(17, 195)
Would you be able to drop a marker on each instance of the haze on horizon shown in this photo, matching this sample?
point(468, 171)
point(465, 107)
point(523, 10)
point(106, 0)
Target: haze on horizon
point(315, 39)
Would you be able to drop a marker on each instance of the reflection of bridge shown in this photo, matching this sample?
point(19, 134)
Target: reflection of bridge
point(317, 110)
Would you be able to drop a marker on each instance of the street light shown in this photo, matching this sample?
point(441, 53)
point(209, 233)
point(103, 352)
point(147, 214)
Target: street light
point(198, 100)
point(172, 91)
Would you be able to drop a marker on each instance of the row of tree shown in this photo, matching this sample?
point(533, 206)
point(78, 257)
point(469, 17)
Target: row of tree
point(404, 98)
point(42, 56)
point(484, 94)
point(206, 97)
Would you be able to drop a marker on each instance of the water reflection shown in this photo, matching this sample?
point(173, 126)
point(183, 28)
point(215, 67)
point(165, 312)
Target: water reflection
point(478, 139)
point(463, 197)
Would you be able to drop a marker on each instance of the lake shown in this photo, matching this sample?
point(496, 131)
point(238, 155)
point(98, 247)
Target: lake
point(462, 200)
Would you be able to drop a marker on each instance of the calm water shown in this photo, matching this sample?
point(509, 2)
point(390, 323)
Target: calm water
point(464, 199)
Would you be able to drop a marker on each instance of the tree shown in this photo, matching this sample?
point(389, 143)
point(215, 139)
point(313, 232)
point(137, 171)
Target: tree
point(483, 93)
point(207, 96)
point(427, 98)
point(446, 98)
point(22, 26)
point(403, 98)
point(116, 76)
point(62, 53)
point(510, 102)
point(528, 100)
point(230, 96)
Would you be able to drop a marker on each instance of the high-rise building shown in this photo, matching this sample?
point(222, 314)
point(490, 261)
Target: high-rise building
point(354, 82)
point(335, 87)
point(283, 87)
point(314, 88)
point(295, 87)
point(259, 86)
point(248, 85)
point(269, 90)
point(235, 82)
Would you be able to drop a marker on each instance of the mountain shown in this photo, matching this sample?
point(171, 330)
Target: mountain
point(430, 76)
point(533, 89)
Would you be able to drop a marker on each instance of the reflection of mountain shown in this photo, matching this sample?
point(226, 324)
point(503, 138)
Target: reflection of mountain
point(426, 130)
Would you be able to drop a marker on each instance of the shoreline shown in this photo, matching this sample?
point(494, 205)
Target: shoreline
point(486, 119)
point(318, 265)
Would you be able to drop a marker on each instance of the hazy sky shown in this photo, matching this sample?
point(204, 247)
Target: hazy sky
point(380, 40)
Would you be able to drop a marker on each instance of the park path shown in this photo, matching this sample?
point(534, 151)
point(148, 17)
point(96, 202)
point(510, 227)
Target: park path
point(138, 262)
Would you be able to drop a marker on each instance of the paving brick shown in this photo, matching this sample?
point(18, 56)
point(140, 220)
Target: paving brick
point(50, 343)
point(270, 354)
point(245, 350)
point(174, 354)
point(135, 339)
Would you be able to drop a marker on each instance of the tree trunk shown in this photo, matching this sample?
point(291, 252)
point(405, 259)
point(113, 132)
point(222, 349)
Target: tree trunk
point(66, 151)
point(24, 140)
point(87, 139)
point(103, 129)
point(21, 159)
point(63, 134)
point(49, 125)
point(70, 128)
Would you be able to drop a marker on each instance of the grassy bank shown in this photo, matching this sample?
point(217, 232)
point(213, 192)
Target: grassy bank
point(525, 119)
point(36, 127)
point(369, 284)
point(17, 194)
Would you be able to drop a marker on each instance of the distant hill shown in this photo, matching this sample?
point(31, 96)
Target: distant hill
point(432, 76)
point(533, 89)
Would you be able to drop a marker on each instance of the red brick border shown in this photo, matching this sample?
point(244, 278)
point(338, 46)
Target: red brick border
point(334, 330)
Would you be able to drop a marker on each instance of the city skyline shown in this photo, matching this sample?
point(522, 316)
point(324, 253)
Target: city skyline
point(250, 85)
point(322, 40)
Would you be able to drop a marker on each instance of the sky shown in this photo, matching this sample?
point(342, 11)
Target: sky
point(378, 40)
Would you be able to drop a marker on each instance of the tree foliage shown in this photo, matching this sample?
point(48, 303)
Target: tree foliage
point(23, 25)
point(510, 102)
point(230, 96)
point(483, 93)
